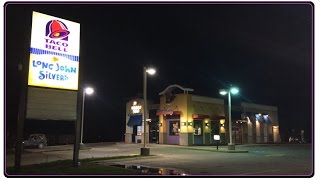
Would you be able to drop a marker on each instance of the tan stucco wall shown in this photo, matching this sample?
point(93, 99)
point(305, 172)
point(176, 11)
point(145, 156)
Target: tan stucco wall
point(187, 106)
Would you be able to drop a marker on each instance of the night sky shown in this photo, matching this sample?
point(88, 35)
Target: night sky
point(264, 49)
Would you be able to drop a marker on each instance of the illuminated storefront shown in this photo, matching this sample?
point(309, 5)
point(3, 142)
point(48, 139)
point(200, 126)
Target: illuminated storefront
point(187, 119)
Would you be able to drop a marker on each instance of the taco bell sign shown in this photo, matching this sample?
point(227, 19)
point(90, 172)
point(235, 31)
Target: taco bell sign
point(54, 52)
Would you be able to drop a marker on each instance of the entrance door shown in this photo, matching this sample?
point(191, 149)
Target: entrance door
point(173, 131)
point(154, 131)
point(198, 132)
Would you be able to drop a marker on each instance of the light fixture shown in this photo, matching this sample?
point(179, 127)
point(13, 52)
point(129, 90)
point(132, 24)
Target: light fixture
point(145, 151)
point(234, 90)
point(89, 90)
point(189, 123)
point(248, 119)
point(160, 124)
point(222, 125)
point(207, 124)
point(151, 71)
point(223, 92)
point(184, 123)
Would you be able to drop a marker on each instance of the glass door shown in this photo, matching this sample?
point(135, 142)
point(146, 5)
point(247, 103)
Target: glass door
point(173, 131)
point(198, 132)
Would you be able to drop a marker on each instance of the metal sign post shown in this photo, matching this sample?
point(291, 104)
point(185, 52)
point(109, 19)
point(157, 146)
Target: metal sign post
point(217, 139)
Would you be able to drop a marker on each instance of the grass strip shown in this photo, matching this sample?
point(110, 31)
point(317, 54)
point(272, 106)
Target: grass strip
point(65, 167)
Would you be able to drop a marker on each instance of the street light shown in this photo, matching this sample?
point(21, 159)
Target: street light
point(89, 91)
point(145, 151)
point(232, 90)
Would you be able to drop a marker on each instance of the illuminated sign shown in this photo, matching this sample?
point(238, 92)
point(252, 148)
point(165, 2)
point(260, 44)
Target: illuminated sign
point(216, 137)
point(135, 107)
point(54, 52)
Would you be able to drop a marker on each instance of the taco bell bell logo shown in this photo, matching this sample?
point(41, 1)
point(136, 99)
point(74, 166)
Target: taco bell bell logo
point(57, 36)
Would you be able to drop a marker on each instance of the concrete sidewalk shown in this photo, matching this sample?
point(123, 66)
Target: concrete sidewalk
point(213, 148)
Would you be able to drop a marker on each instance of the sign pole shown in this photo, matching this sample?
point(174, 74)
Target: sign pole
point(79, 120)
point(217, 139)
point(24, 69)
point(21, 115)
point(76, 146)
point(217, 145)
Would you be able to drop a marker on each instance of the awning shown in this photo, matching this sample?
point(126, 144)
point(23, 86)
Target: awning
point(200, 116)
point(167, 112)
point(135, 120)
point(262, 118)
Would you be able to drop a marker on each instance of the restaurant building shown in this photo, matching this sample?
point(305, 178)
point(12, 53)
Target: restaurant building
point(186, 119)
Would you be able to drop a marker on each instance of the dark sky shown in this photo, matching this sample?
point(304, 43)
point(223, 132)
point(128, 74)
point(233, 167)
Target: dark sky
point(264, 49)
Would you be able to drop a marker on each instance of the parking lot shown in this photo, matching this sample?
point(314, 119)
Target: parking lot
point(260, 159)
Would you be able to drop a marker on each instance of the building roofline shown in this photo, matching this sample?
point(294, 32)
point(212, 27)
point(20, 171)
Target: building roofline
point(185, 90)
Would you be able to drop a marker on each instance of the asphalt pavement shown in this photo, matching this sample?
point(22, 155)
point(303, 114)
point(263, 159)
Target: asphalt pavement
point(247, 160)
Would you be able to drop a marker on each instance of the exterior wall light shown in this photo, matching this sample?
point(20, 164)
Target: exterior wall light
point(222, 125)
point(184, 123)
point(189, 123)
point(207, 124)
point(160, 124)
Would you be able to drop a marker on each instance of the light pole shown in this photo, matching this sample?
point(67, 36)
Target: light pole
point(145, 151)
point(231, 90)
point(87, 90)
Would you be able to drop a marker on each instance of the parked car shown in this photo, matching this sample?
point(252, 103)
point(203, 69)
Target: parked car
point(35, 140)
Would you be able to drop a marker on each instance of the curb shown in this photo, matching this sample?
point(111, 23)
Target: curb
point(221, 151)
point(52, 150)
